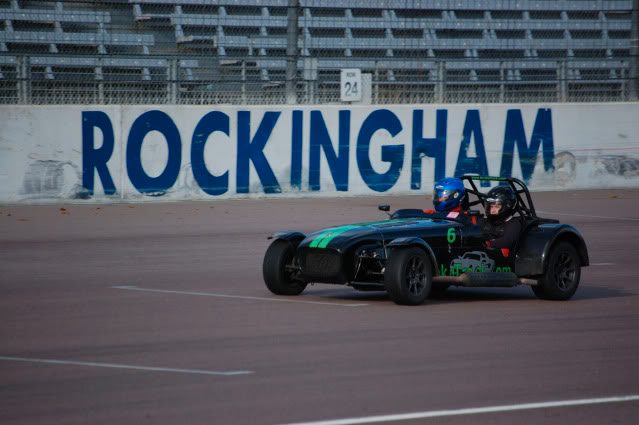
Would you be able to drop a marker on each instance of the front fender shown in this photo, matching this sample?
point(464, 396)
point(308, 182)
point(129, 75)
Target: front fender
point(412, 241)
point(287, 235)
point(534, 250)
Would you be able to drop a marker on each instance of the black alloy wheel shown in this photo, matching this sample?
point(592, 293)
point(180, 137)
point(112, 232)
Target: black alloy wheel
point(563, 272)
point(408, 275)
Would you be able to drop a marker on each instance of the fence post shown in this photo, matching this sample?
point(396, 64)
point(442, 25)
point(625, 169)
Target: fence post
point(634, 52)
point(502, 86)
point(376, 85)
point(24, 83)
point(173, 76)
point(291, 52)
point(439, 86)
point(99, 77)
point(563, 83)
point(243, 74)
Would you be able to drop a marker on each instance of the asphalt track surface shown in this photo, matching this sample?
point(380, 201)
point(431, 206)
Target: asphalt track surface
point(157, 313)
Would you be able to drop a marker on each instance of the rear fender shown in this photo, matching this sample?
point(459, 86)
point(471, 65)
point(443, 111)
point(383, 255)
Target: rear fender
point(412, 241)
point(537, 244)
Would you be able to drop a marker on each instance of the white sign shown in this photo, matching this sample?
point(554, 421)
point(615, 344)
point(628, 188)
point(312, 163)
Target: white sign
point(351, 85)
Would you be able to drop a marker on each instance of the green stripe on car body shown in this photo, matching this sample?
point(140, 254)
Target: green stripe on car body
point(324, 238)
point(329, 236)
point(329, 233)
point(322, 235)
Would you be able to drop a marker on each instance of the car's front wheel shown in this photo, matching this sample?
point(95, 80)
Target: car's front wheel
point(280, 268)
point(408, 275)
point(563, 271)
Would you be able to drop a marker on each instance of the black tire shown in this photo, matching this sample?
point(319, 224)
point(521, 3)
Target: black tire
point(280, 270)
point(437, 290)
point(408, 276)
point(561, 278)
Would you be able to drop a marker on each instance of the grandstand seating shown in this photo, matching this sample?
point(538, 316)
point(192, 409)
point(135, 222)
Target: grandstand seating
point(89, 49)
point(399, 41)
point(443, 33)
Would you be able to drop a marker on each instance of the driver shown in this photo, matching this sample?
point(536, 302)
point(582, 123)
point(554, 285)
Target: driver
point(501, 229)
point(449, 198)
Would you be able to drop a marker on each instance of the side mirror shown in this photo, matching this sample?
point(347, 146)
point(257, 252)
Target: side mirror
point(385, 208)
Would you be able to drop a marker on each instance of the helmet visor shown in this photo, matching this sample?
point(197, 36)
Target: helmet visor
point(441, 195)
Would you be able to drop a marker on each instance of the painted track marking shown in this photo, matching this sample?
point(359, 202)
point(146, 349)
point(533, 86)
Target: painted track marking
point(591, 216)
point(471, 411)
point(602, 264)
point(124, 366)
point(206, 294)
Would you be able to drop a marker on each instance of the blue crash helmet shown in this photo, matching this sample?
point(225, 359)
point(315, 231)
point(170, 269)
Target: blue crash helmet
point(448, 194)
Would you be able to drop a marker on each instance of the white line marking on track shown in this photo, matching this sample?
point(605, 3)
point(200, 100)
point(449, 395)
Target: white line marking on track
point(206, 294)
point(591, 216)
point(602, 264)
point(124, 366)
point(471, 411)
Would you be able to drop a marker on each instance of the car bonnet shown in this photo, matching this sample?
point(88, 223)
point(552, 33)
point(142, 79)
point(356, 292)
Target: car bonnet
point(322, 238)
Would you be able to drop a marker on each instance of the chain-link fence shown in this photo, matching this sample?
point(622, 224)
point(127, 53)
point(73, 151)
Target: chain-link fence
point(292, 51)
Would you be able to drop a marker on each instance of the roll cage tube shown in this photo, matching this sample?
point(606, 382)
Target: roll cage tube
point(526, 209)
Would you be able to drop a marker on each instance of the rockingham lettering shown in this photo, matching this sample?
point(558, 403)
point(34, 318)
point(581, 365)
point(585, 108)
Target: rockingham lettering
point(308, 129)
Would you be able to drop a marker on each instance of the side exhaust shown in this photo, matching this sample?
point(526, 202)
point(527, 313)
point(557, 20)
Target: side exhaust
point(485, 279)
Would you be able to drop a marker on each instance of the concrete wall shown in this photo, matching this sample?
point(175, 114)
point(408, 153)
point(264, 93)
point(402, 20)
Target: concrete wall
point(149, 153)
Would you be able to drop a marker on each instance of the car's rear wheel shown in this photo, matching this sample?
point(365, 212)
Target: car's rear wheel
point(408, 276)
point(563, 272)
point(280, 269)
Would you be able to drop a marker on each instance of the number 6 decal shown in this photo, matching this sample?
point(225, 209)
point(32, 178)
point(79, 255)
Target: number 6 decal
point(451, 235)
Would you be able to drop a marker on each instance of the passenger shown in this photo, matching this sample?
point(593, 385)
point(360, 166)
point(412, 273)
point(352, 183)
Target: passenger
point(501, 230)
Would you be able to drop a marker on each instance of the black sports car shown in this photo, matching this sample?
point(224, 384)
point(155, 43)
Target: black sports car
point(413, 254)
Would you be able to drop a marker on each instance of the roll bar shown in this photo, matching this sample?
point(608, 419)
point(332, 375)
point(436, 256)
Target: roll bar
point(525, 207)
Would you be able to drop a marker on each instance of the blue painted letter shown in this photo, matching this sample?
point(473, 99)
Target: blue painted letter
point(296, 149)
point(433, 148)
point(248, 150)
point(144, 124)
point(96, 158)
point(378, 120)
point(338, 164)
point(515, 134)
point(472, 165)
point(210, 123)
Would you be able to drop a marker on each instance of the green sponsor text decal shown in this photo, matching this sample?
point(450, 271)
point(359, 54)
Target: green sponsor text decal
point(457, 269)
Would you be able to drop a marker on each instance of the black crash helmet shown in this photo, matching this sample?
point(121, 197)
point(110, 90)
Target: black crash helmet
point(502, 197)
